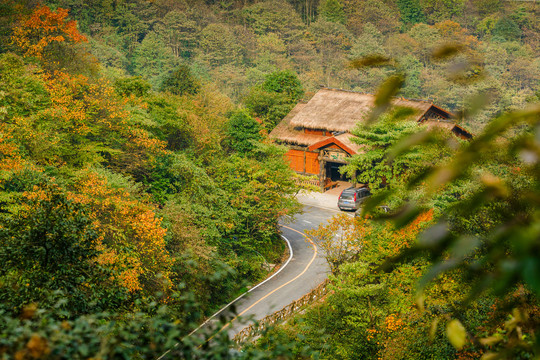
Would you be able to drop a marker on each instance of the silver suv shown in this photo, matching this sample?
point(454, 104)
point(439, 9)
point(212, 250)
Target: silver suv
point(352, 198)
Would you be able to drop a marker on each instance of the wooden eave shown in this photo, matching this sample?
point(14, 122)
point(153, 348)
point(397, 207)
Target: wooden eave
point(446, 112)
point(436, 109)
point(461, 132)
point(329, 141)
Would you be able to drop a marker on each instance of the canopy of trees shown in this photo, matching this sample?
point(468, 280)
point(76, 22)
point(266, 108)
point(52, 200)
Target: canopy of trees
point(139, 191)
point(119, 199)
point(237, 44)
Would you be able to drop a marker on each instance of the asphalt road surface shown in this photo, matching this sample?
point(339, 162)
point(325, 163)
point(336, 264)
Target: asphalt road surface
point(303, 273)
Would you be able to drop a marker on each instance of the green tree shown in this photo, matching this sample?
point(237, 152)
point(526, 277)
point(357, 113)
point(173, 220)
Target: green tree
point(109, 56)
point(369, 42)
point(383, 15)
point(411, 12)
point(273, 16)
point(372, 167)
point(152, 60)
point(284, 82)
point(331, 41)
point(486, 7)
point(180, 33)
point(426, 38)
point(306, 8)
point(51, 245)
point(220, 46)
point(22, 93)
point(181, 82)
point(413, 83)
point(170, 125)
point(132, 86)
point(271, 55)
point(378, 166)
point(130, 27)
point(506, 29)
point(332, 10)
point(437, 11)
point(270, 106)
point(275, 97)
point(242, 132)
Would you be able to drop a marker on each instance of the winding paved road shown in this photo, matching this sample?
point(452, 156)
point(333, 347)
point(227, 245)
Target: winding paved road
point(303, 273)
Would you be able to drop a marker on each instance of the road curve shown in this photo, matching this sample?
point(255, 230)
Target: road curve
point(306, 269)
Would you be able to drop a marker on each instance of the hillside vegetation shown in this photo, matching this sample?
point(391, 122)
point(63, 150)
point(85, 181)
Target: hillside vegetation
point(235, 44)
point(139, 190)
point(150, 207)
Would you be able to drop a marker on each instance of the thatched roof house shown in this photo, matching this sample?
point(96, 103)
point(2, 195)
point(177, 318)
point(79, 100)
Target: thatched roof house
point(318, 132)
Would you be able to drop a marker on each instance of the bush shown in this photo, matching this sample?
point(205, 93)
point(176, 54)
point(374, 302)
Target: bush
point(284, 82)
point(134, 85)
point(49, 246)
point(242, 132)
point(181, 82)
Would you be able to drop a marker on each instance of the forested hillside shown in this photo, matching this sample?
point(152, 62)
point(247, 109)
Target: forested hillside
point(235, 44)
point(139, 191)
point(119, 201)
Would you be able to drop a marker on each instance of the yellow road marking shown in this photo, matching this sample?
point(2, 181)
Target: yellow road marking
point(315, 251)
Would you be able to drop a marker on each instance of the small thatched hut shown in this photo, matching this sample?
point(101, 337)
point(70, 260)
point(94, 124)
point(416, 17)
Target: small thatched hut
point(318, 132)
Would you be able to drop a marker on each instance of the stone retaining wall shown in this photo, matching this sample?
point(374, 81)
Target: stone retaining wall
point(253, 330)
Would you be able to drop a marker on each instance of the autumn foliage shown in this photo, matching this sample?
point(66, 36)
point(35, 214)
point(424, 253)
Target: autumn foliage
point(43, 28)
point(136, 183)
point(10, 158)
point(131, 236)
point(345, 238)
point(399, 239)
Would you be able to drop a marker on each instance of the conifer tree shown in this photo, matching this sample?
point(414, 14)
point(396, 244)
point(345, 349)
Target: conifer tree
point(332, 10)
point(411, 12)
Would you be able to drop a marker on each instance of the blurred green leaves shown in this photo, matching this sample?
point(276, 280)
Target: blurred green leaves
point(456, 333)
point(490, 233)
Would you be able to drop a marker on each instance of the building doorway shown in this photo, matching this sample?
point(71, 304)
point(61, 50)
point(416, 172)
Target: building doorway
point(333, 172)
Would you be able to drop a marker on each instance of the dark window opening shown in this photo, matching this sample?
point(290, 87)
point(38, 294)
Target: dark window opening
point(333, 172)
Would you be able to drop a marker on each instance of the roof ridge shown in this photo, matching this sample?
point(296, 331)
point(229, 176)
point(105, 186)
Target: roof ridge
point(366, 93)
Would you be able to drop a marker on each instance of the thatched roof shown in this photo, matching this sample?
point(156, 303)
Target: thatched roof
point(285, 132)
point(341, 110)
point(454, 128)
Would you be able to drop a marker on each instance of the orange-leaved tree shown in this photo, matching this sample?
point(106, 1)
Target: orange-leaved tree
point(131, 238)
point(44, 27)
point(397, 240)
point(84, 122)
point(10, 159)
point(51, 38)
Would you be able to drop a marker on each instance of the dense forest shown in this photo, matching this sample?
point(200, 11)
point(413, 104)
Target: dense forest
point(235, 44)
point(122, 202)
point(139, 190)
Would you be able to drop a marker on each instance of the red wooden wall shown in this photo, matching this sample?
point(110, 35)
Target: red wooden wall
point(312, 163)
point(296, 161)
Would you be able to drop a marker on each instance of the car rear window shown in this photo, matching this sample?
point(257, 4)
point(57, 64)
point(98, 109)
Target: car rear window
point(347, 196)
